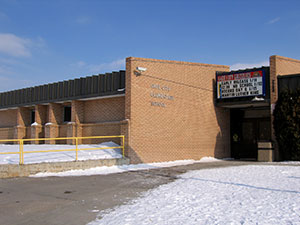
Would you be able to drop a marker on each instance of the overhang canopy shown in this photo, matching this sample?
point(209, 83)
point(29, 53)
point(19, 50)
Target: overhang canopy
point(107, 84)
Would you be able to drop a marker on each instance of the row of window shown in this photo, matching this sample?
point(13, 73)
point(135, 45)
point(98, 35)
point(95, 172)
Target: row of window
point(67, 114)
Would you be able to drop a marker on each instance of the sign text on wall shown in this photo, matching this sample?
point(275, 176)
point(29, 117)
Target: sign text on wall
point(160, 93)
point(240, 85)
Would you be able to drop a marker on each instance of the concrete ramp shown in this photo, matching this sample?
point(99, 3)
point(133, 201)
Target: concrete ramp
point(13, 170)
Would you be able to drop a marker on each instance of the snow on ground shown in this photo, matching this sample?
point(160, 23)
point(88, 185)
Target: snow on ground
point(290, 162)
point(260, 194)
point(58, 156)
point(123, 168)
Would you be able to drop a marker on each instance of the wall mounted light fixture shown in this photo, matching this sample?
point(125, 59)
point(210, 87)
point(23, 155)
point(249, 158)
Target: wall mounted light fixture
point(140, 70)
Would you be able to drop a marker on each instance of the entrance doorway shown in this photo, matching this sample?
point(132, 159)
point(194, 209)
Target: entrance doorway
point(248, 126)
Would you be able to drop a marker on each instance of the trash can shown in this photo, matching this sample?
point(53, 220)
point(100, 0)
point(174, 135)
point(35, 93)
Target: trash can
point(265, 151)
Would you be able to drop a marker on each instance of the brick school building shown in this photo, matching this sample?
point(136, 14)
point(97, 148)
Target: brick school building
point(167, 110)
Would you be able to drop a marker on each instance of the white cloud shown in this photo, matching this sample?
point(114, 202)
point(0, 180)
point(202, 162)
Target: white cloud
point(273, 20)
point(239, 66)
point(12, 51)
point(13, 45)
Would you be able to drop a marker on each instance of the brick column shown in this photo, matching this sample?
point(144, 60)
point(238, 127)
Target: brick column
point(273, 99)
point(19, 133)
point(79, 132)
point(40, 119)
point(74, 130)
point(54, 118)
point(36, 129)
point(71, 133)
point(40, 114)
point(77, 119)
point(51, 131)
point(22, 117)
point(55, 113)
point(77, 112)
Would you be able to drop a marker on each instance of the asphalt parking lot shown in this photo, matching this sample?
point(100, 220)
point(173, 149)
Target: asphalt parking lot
point(78, 200)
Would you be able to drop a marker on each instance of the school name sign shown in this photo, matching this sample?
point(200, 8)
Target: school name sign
point(240, 85)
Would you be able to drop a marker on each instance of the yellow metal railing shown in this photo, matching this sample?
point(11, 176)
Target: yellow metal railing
point(21, 151)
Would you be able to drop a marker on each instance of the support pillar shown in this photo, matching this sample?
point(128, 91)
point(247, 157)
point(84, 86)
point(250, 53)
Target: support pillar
point(36, 130)
point(20, 129)
point(20, 132)
point(77, 118)
point(74, 130)
point(79, 132)
point(71, 132)
point(55, 113)
point(40, 114)
point(54, 118)
point(51, 131)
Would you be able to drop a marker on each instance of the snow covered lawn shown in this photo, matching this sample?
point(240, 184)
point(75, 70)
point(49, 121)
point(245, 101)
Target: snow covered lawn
point(256, 194)
point(58, 156)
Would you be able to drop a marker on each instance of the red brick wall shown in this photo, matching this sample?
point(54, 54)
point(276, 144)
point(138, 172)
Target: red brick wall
point(183, 124)
point(101, 129)
point(7, 133)
point(107, 109)
point(77, 111)
point(63, 130)
point(28, 132)
point(55, 113)
point(8, 118)
point(41, 114)
point(24, 116)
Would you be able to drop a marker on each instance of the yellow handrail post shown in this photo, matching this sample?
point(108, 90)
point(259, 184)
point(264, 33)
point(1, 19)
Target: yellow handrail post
point(76, 141)
point(22, 152)
point(21, 161)
point(123, 145)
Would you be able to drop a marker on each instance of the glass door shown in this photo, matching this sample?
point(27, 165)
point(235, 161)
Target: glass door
point(247, 128)
point(248, 145)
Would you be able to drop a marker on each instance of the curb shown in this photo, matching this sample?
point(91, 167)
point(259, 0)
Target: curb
point(15, 170)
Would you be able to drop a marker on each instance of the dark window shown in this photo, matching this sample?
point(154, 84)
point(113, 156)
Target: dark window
point(67, 113)
point(32, 116)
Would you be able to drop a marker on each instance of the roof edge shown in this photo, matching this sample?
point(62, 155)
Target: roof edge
point(174, 62)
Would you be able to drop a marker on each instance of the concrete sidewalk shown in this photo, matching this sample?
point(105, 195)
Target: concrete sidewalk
point(77, 200)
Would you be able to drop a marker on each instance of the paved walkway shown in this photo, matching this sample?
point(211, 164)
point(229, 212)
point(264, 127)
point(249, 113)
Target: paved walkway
point(77, 200)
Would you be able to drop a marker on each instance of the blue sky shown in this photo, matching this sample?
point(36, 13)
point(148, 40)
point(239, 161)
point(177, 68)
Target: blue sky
point(47, 41)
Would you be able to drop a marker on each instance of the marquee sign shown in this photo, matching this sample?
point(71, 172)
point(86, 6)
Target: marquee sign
point(241, 84)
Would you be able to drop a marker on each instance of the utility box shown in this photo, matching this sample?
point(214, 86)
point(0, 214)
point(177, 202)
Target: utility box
point(265, 151)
